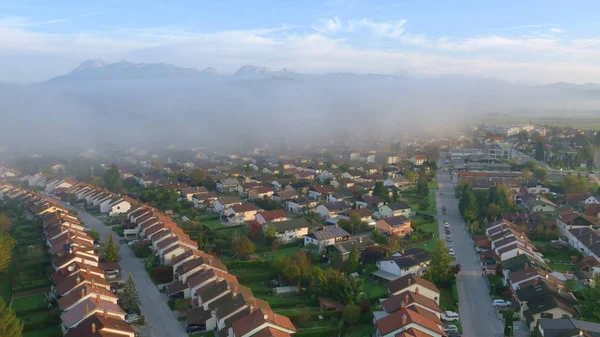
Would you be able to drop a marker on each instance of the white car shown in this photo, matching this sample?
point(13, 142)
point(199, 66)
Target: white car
point(500, 303)
point(450, 328)
point(132, 242)
point(132, 317)
point(450, 316)
point(451, 252)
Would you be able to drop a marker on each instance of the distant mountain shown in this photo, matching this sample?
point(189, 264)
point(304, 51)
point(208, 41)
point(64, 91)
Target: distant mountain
point(94, 70)
point(251, 70)
point(210, 71)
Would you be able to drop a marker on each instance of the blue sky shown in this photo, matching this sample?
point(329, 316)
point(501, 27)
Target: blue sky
point(518, 41)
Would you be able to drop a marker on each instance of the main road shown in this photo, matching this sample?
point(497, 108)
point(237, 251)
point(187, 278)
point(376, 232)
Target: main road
point(477, 315)
point(160, 319)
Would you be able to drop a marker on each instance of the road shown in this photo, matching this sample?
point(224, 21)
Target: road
point(477, 315)
point(160, 319)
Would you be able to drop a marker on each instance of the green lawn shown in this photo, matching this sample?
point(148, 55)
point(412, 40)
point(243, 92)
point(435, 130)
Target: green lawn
point(447, 300)
point(29, 302)
point(561, 267)
point(360, 330)
point(213, 224)
point(373, 291)
point(428, 245)
point(289, 251)
point(53, 331)
point(36, 317)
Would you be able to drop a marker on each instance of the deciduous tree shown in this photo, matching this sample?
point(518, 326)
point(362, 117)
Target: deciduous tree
point(112, 179)
point(244, 247)
point(440, 268)
point(351, 314)
point(10, 325)
point(7, 243)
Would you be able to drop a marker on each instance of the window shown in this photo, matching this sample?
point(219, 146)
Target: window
point(547, 315)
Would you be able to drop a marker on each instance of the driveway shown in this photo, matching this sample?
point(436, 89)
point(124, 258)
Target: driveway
point(160, 319)
point(477, 315)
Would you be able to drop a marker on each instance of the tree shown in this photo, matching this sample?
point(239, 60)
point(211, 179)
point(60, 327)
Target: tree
point(111, 250)
point(7, 243)
point(379, 190)
point(508, 323)
point(597, 139)
point(395, 196)
point(182, 305)
point(541, 173)
point(351, 314)
point(539, 151)
point(255, 230)
point(589, 303)
point(440, 269)
point(5, 222)
point(10, 325)
point(352, 262)
point(94, 234)
point(527, 174)
point(302, 261)
point(422, 188)
point(130, 296)
point(112, 179)
point(393, 244)
point(371, 254)
point(410, 176)
point(243, 247)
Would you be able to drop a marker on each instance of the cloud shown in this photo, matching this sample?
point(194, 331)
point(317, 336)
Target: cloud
point(556, 30)
point(329, 26)
point(331, 47)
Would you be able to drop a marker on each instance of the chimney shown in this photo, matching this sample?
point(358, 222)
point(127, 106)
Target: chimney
point(82, 292)
point(536, 282)
point(87, 309)
point(406, 299)
point(87, 269)
point(93, 284)
point(402, 305)
point(404, 320)
point(93, 327)
point(417, 290)
point(105, 313)
point(526, 266)
point(402, 252)
point(98, 299)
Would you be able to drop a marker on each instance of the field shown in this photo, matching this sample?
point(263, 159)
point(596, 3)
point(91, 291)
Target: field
point(29, 303)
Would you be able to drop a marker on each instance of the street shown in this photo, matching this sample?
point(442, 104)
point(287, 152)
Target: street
point(477, 315)
point(160, 319)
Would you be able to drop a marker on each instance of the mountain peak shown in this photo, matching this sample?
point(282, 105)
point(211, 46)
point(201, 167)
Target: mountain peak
point(89, 64)
point(251, 70)
point(210, 71)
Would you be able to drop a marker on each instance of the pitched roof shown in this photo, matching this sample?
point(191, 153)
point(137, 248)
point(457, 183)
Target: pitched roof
point(404, 282)
point(99, 326)
point(274, 214)
point(398, 205)
point(257, 319)
point(290, 224)
point(405, 317)
point(405, 298)
point(328, 232)
point(242, 208)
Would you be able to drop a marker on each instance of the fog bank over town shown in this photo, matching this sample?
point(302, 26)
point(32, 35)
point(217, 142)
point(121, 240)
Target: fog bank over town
point(124, 104)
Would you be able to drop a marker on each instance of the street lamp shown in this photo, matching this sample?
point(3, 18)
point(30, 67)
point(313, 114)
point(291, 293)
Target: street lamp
point(510, 331)
point(493, 289)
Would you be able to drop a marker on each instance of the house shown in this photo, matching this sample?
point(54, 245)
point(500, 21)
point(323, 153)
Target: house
point(394, 209)
point(586, 240)
point(537, 188)
point(281, 196)
point(277, 215)
point(414, 283)
point(204, 200)
point(240, 213)
point(262, 322)
point(580, 198)
point(326, 236)
point(395, 225)
point(408, 261)
point(319, 192)
point(331, 209)
point(538, 204)
point(188, 192)
point(345, 247)
point(370, 201)
point(227, 185)
point(102, 325)
point(261, 192)
point(119, 206)
point(305, 175)
point(408, 322)
point(221, 204)
point(290, 229)
point(299, 205)
point(593, 210)
point(418, 159)
point(567, 327)
point(90, 307)
point(546, 307)
point(364, 214)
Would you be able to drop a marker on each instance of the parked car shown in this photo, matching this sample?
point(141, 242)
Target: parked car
point(453, 334)
point(451, 252)
point(133, 242)
point(448, 231)
point(450, 328)
point(500, 303)
point(121, 242)
point(131, 317)
point(191, 328)
point(448, 238)
point(450, 316)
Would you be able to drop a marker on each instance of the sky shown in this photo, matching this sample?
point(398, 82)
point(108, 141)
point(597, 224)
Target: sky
point(532, 41)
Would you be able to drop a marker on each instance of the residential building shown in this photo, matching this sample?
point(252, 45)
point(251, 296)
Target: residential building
point(402, 263)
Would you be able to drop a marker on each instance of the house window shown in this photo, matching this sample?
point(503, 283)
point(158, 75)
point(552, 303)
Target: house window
point(546, 315)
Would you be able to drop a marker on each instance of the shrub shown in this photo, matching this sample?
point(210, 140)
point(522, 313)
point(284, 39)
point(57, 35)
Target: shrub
point(351, 314)
point(163, 274)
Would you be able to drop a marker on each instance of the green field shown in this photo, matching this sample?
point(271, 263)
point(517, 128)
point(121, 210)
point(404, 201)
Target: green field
point(213, 224)
point(37, 301)
point(52, 331)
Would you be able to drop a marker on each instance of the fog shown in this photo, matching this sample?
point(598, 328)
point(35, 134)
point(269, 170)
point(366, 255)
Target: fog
point(248, 110)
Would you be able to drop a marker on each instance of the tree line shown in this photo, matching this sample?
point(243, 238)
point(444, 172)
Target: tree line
point(483, 205)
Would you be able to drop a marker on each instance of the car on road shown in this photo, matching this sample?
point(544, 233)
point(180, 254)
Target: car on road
point(191, 328)
point(451, 252)
point(446, 223)
point(131, 317)
point(449, 238)
point(500, 303)
point(132, 242)
point(121, 242)
point(447, 231)
point(450, 328)
point(450, 316)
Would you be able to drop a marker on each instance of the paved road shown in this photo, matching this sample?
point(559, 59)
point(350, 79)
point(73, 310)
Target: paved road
point(160, 319)
point(478, 316)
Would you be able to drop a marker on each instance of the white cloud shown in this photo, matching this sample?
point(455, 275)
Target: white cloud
point(546, 59)
point(329, 26)
point(392, 29)
point(556, 30)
